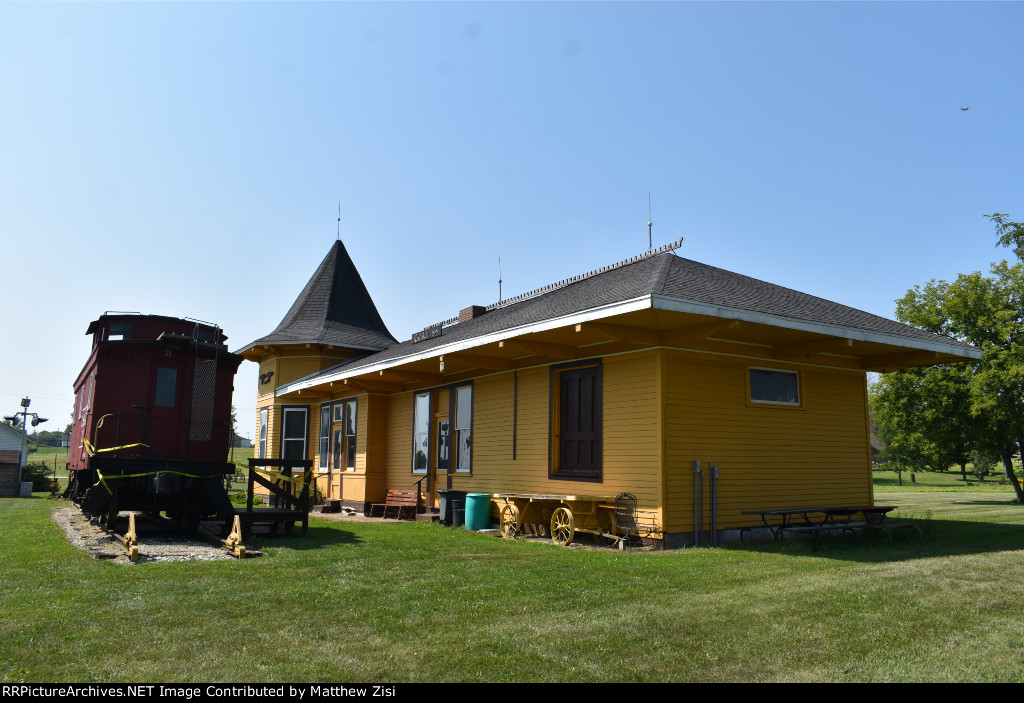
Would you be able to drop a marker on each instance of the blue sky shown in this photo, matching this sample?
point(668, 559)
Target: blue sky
point(188, 159)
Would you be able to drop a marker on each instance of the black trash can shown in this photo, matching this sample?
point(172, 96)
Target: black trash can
point(448, 497)
point(459, 512)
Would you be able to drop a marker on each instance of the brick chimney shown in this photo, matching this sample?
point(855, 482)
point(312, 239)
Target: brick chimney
point(473, 311)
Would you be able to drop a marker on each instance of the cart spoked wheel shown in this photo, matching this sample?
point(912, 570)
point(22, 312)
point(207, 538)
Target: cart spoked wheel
point(509, 521)
point(605, 522)
point(563, 529)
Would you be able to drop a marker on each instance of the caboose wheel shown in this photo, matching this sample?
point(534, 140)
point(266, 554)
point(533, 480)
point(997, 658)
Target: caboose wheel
point(191, 513)
point(190, 520)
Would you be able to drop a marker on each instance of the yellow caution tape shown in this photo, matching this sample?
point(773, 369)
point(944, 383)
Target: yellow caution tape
point(93, 451)
point(300, 478)
point(103, 479)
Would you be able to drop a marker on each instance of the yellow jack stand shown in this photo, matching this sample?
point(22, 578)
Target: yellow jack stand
point(234, 540)
point(131, 539)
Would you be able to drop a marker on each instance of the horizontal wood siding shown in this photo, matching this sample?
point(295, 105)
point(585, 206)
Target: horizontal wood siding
point(768, 456)
point(630, 433)
point(631, 453)
point(398, 470)
point(373, 426)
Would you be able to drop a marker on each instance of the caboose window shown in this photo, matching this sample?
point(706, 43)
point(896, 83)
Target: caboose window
point(119, 331)
point(166, 383)
point(294, 440)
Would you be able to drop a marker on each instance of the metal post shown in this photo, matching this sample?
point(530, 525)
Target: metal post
point(698, 502)
point(714, 504)
point(25, 402)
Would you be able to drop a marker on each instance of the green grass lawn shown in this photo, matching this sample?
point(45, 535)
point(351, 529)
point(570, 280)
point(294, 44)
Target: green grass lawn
point(418, 602)
point(940, 481)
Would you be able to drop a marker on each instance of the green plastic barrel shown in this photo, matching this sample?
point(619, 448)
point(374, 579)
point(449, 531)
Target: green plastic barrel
point(478, 511)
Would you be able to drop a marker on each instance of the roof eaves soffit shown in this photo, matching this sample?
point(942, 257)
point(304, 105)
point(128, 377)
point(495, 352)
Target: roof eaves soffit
point(358, 369)
point(662, 302)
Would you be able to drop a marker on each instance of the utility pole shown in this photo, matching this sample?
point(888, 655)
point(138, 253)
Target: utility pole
point(13, 419)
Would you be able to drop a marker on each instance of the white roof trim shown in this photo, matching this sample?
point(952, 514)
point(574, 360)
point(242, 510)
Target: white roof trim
point(657, 302)
point(252, 345)
point(662, 302)
point(641, 303)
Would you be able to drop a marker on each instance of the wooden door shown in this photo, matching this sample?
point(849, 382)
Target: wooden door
point(442, 464)
point(580, 420)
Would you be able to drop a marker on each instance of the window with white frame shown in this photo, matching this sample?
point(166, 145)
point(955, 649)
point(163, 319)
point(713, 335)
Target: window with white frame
point(774, 386)
point(264, 416)
point(345, 435)
point(463, 429)
point(350, 435)
point(293, 434)
point(421, 433)
point(325, 437)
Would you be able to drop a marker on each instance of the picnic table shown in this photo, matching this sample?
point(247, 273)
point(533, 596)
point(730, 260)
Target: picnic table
point(816, 519)
point(566, 514)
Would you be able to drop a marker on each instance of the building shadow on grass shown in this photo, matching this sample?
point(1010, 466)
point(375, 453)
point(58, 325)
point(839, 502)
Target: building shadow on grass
point(941, 538)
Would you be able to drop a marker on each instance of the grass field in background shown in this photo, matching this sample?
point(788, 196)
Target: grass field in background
point(940, 481)
point(418, 602)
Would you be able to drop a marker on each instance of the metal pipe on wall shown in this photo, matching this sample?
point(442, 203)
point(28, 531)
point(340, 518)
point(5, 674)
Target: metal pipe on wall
point(698, 502)
point(713, 477)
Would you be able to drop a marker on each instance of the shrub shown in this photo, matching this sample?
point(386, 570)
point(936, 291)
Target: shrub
point(39, 474)
point(242, 498)
point(317, 495)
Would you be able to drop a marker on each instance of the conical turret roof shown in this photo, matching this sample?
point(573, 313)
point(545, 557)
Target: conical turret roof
point(334, 308)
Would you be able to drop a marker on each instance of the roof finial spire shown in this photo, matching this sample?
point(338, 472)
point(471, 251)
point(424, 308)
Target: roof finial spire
point(499, 280)
point(339, 220)
point(649, 223)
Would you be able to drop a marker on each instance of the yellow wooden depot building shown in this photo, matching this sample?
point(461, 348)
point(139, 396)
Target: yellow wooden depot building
point(617, 380)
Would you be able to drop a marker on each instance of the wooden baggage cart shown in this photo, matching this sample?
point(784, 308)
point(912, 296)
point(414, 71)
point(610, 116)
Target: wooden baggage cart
point(566, 515)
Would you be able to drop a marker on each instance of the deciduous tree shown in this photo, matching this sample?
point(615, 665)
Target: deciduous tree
point(988, 312)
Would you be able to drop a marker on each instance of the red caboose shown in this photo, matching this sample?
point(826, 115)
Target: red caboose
point(152, 419)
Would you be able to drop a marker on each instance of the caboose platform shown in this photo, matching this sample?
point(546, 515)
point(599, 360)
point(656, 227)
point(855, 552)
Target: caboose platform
point(289, 496)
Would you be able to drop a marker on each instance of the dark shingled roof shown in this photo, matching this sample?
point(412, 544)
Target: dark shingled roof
point(333, 308)
point(691, 280)
point(663, 275)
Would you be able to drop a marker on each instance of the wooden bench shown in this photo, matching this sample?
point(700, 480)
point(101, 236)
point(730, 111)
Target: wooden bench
point(400, 501)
